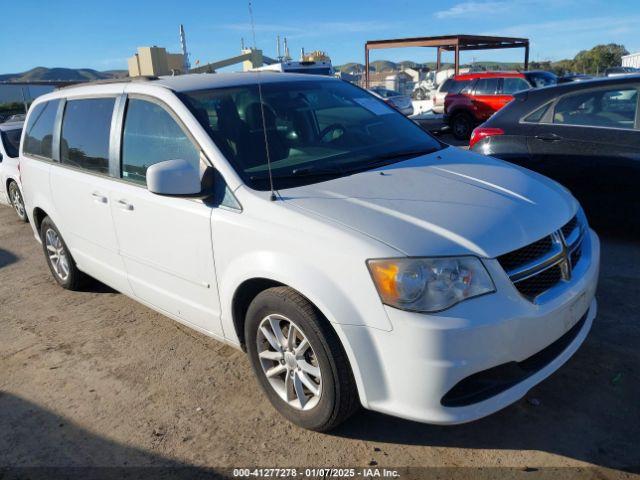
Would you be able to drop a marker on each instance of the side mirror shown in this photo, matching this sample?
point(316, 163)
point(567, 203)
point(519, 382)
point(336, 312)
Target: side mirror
point(175, 178)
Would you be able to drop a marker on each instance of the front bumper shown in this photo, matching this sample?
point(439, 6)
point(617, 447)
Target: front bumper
point(407, 372)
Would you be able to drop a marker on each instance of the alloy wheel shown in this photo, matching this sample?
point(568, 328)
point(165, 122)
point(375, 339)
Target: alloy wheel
point(57, 254)
point(16, 200)
point(289, 362)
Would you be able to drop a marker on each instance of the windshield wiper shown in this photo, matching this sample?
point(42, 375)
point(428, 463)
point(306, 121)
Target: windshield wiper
point(310, 170)
point(305, 172)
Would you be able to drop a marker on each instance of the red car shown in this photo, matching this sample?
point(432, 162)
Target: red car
point(485, 94)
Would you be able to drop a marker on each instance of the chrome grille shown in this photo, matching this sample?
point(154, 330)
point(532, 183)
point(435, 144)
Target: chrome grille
point(541, 265)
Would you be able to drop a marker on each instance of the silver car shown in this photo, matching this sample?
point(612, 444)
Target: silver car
point(395, 99)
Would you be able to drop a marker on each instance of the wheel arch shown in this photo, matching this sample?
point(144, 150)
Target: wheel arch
point(249, 288)
point(242, 298)
point(38, 216)
point(459, 110)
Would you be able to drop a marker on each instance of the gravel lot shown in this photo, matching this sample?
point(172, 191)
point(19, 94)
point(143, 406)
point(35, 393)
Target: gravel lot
point(95, 379)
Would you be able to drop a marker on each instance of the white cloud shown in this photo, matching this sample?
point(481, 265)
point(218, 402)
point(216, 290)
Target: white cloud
point(471, 8)
point(479, 7)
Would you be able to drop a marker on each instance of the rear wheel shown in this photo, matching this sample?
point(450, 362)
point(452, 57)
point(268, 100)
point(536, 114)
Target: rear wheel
point(461, 125)
point(61, 263)
point(299, 361)
point(15, 197)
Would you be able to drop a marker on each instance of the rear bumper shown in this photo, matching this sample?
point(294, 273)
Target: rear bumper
point(407, 111)
point(415, 371)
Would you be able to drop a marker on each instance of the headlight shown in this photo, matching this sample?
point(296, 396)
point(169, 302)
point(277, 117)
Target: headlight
point(429, 284)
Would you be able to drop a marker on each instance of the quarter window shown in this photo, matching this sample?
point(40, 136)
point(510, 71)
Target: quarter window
point(486, 86)
point(39, 130)
point(613, 108)
point(151, 135)
point(11, 141)
point(538, 114)
point(86, 128)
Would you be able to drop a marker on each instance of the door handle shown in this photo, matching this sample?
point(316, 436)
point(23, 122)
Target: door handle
point(124, 205)
point(548, 137)
point(98, 197)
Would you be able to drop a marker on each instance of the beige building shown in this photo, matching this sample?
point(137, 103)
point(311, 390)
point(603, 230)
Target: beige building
point(155, 61)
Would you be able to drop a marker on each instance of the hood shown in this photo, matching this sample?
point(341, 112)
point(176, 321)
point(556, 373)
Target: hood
point(451, 202)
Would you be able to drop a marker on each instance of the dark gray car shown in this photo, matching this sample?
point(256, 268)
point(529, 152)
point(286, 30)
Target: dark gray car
point(585, 135)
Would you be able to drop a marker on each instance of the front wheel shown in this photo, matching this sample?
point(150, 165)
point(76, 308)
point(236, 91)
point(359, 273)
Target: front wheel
point(299, 361)
point(61, 263)
point(15, 197)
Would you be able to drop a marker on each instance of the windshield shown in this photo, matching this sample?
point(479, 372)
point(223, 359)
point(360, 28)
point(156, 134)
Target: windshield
point(543, 79)
point(11, 141)
point(316, 130)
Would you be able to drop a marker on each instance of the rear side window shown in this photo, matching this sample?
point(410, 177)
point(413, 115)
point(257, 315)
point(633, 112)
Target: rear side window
point(612, 108)
point(86, 128)
point(486, 86)
point(512, 85)
point(151, 135)
point(39, 130)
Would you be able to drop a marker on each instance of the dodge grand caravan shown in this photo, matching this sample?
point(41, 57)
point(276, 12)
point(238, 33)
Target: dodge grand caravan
point(357, 260)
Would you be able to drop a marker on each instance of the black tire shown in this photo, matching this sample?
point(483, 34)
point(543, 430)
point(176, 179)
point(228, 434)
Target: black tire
point(461, 125)
point(15, 197)
point(75, 279)
point(338, 399)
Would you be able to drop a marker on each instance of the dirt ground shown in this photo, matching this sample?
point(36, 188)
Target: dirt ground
point(95, 379)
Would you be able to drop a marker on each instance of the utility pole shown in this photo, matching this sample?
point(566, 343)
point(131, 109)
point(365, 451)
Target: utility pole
point(183, 44)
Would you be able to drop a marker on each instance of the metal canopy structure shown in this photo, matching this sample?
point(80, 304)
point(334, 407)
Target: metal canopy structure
point(448, 43)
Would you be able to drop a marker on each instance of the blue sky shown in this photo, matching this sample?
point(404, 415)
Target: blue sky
point(102, 34)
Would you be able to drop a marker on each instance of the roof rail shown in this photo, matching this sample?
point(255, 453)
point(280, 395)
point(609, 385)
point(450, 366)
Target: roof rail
point(107, 81)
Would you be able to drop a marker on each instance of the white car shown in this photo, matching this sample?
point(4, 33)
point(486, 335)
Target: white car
point(10, 190)
point(358, 260)
point(448, 86)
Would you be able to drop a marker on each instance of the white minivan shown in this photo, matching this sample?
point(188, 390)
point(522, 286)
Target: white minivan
point(357, 259)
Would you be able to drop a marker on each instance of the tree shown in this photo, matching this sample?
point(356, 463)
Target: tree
point(594, 61)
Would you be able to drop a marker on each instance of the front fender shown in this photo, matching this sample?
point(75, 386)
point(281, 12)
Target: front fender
point(339, 302)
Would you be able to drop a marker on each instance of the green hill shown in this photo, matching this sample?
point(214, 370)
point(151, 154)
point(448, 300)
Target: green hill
point(61, 74)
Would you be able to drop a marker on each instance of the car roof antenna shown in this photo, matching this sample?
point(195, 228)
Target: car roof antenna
point(264, 123)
